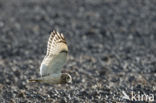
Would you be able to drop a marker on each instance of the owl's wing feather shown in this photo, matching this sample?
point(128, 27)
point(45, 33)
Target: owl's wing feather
point(57, 50)
point(50, 41)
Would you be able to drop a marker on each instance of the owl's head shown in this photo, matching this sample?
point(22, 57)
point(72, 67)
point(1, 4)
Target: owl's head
point(65, 78)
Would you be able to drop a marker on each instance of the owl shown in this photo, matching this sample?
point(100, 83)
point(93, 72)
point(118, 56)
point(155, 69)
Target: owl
point(51, 66)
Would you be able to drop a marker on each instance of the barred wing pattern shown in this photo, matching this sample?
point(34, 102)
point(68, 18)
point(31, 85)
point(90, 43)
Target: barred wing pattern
point(56, 55)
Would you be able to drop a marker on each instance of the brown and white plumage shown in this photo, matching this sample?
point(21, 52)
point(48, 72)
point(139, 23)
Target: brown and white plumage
point(52, 64)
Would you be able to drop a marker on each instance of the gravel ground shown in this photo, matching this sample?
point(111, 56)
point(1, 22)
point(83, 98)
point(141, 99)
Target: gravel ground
point(112, 49)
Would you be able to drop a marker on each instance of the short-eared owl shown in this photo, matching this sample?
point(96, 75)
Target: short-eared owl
point(51, 66)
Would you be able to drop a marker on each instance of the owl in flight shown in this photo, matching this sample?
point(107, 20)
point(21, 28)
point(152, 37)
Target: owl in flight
point(51, 66)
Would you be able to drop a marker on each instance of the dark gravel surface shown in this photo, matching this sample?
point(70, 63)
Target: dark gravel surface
point(112, 47)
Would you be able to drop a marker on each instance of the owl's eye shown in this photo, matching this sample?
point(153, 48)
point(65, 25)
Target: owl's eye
point(67, 78)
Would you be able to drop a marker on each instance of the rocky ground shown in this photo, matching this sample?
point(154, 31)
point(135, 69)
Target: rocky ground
point(112, 49)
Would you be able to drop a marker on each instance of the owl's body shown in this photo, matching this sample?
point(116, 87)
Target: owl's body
point(51, 66)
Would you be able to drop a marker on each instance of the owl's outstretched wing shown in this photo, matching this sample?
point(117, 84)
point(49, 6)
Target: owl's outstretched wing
point(56, 55)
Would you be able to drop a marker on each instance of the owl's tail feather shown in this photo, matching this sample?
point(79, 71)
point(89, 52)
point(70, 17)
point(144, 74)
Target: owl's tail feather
point(35, 80)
